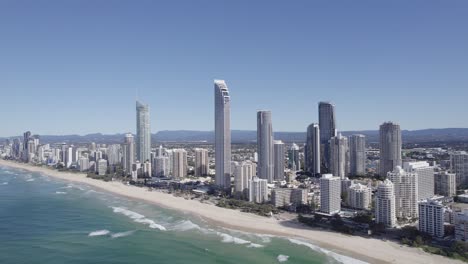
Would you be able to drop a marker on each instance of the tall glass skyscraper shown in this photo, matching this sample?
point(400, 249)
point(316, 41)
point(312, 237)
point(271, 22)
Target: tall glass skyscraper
point(265, 146)
point(143, 139)
point(222, 135)
point(390, 147)
point(327, 125)
point(312, 149)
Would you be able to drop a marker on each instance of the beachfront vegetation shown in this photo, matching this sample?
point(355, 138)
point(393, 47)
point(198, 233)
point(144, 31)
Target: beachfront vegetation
point(248, 207)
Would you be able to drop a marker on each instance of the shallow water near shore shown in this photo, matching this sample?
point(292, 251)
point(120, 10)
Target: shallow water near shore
point(45, 220)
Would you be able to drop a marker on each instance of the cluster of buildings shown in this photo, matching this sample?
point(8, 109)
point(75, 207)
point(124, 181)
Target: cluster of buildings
point(412, 190)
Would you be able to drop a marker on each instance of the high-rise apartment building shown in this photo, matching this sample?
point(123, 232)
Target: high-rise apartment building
point(222, 135)
point(390, 147)
point(201, 162)
point(279, 158)
point(265, 146)
point(330, 194)
point(431, 217)
point(179, 163)
point(459, 166)
point(357, 155)
point(327, 123)
point(385, 205)
point(312, 149)
point(294, 162)
point(406, 192)
point(258, 190)
point(143, 136)
point(339, 156)
point(128, 151)
point(445, 184)
point(425, 174)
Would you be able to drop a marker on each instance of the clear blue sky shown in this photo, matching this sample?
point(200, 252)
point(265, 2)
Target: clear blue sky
point(74, 66)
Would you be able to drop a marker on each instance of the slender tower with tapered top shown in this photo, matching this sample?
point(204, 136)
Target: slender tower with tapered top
point(222, 135)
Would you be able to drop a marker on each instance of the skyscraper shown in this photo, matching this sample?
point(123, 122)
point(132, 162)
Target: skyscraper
point(357, 155)
point(327, 125)
point(406, 192)
point(339, 156)
point(143, 140)
point(222, 135)
point(330, 194)
point(312, 149)
point(459, 166)
point(179, 163)
point(293, 157)
point(390, 147)
point(265, 146)
point(201, 162)
point(385, 208)
point(445, 184)
point(278, 166)
point(128, 153)
point(431, 217)
point(425, 174)
point(243, 174)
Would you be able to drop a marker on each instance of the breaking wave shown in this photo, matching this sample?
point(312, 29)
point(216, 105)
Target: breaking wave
point(226, 238)
point(57, 192)
point(139, 218)
point(282, 258)
point(122, 234)
point(338, 257)
point(103, 232)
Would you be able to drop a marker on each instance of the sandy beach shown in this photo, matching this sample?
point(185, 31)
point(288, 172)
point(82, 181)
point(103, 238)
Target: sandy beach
point(368, 250)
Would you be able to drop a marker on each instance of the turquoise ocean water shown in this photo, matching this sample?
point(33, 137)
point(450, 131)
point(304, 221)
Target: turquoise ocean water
point(45, 220)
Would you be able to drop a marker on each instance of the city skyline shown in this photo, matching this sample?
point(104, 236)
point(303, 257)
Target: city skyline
point(134, 47)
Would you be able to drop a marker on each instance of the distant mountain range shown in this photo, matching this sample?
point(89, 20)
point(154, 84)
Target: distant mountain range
point(246, 136)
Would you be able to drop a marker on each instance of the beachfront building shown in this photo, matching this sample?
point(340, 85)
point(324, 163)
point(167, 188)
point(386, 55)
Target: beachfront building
point(425, 177)
point(83, 164)
point(445, 184)
point(330, 194)
point(128, 150)
point(359, 196)
point(258, 190)
point(179, 163)
point(385, 211)
point(161, 166)
point(243, 174)
point(102, 167)
point(406, 193)
point(222, 109)
point(201, 162)
point(431, 217)
point(281, 197)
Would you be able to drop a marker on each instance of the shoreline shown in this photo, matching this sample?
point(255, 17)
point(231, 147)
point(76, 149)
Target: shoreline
point(370, 250)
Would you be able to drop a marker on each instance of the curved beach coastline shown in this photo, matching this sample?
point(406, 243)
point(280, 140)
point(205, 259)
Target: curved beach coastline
point(368, 250)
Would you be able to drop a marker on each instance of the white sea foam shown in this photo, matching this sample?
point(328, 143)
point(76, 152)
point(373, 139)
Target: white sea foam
point(5, 183)
point(57, 192)
point(185, 226)
point(30, 180)
point(226, 238)
point(103, 232)
point(338, 257)
point(122, 234)
point(139, 218)
point(282, 258)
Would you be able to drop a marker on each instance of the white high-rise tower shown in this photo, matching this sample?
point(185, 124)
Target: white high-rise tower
point(222, 135)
